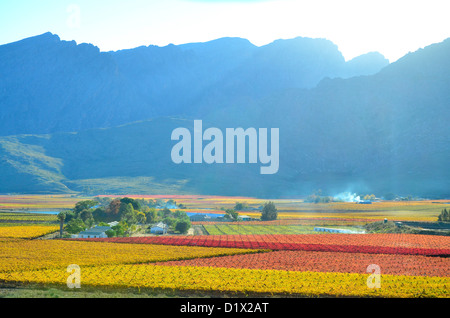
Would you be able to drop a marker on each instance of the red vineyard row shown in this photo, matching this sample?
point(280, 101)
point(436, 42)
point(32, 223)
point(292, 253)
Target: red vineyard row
point(406, 244)
point(411, 265)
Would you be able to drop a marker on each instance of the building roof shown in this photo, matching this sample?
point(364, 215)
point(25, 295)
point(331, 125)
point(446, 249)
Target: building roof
point(96, 230)
point(101, 228)
point(161, 225)
point(91, 232)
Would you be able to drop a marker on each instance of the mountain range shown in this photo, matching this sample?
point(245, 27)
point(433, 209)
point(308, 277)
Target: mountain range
point(77, 119)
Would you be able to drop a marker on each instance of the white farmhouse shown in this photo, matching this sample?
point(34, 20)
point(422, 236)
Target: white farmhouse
point(159, 228)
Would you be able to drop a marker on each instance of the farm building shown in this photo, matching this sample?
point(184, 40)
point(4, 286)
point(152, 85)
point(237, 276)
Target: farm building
point(96, 232)
point(244, 218)
point(159, 228)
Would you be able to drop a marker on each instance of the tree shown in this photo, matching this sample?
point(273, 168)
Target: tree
point(85, 215)
point(61, 218)
point(180, 215)
point(89, 222)
point(103, 201)
point(120, 228)
point(151, 215)
point(113, 208)
point(269, 212)
point(140, 217)
point(69, 216)
point(171, 202)
point(231, 214)
point(170, 221)
point(136, 205)
point(240, 206)
point(183, 226)
point(111, 233)
point(100, 215)
point(75, 226)
point(128, 214)
point(84, 205)
point(166, 212)
point(444, 216)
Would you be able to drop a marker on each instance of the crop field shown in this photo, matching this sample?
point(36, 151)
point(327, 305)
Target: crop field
point(24, 255)
point(244, 229)
point(424, 210)
point(242, 281)
point(27, 217)
point(407, 244)
point(228, 270)
point(26, 231)
point(284, 257)
point(336, 262)
point(287, 208)
point(37, 202)
point(237, 229)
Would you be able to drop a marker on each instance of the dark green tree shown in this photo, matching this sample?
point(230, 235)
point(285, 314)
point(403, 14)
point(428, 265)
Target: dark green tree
point(180, 215)
point(128, 214)
point(85, 215)
point(183, 226)
point(75, 226)
point(170, 221)
point(100, 215)
point(151, 215)
point(166, 213)
point(231, 214)
point(70, 215)
point(444, 216)
point(136, 204)
point(269, 212)
point(84, 205)
point(89, 222)
point(120, 229)
point(240, 206)
point(111, 233)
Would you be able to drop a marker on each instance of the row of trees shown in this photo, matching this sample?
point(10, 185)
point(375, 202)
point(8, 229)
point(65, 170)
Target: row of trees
point(268, 212)
point(130, 212)
point(127, 211)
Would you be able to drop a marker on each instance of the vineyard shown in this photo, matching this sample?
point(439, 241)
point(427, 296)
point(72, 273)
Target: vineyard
point(406, 244)
point(284, 257)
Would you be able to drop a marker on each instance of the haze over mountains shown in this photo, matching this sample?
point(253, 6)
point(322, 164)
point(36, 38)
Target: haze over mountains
point(75, 118)
point(51, 85)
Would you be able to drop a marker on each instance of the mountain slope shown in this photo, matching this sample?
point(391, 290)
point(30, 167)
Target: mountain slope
point(48, 85)
point(382, 133)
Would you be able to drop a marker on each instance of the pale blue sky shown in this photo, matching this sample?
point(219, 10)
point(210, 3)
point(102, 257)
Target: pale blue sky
point(392, 27)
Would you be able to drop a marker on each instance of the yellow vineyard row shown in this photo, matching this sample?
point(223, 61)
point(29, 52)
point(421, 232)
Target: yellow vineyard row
point(241, 280)
point(29, 231)
point(19, 255)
